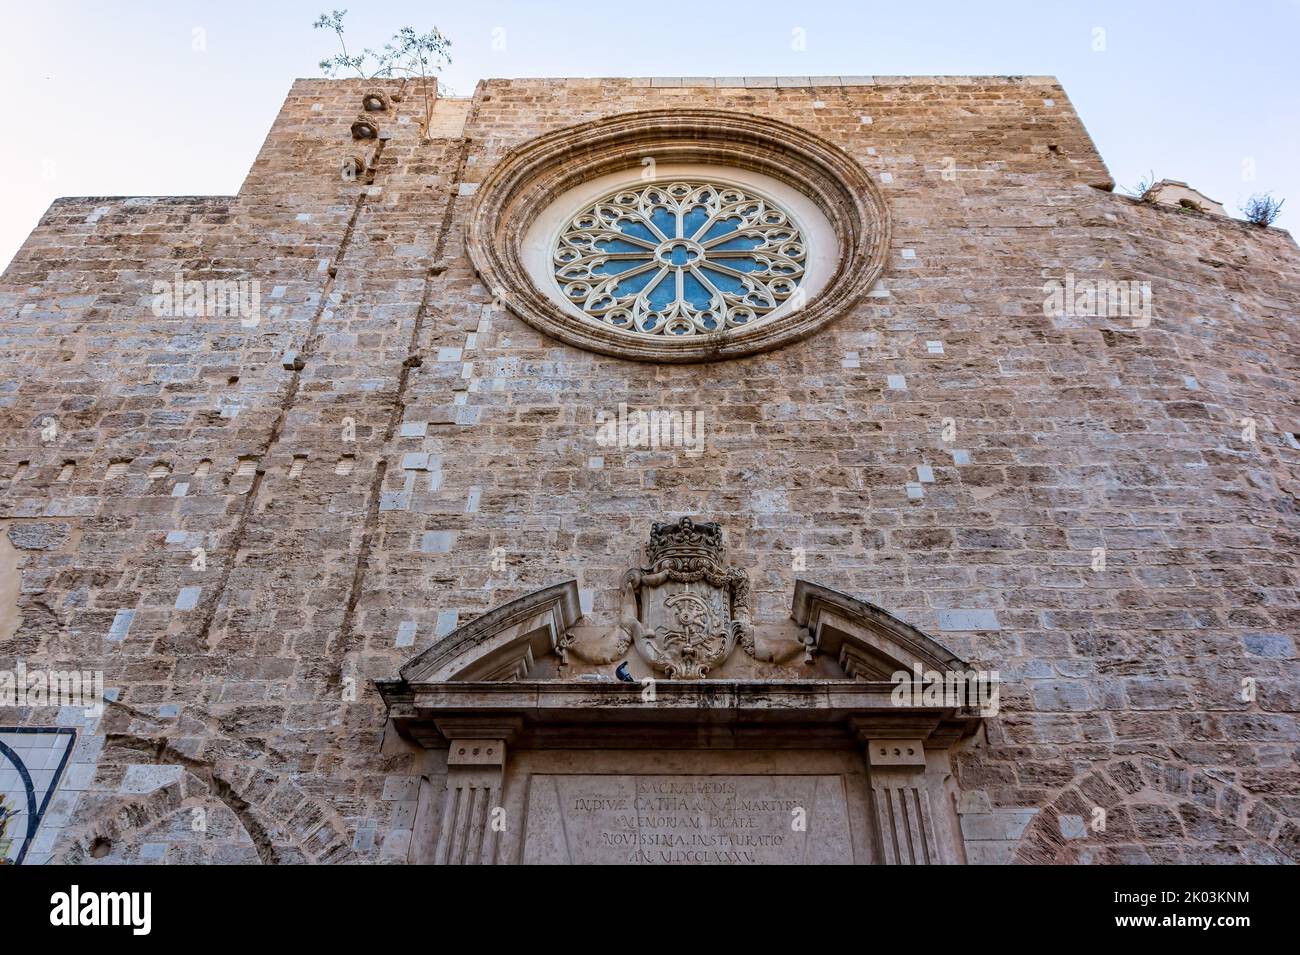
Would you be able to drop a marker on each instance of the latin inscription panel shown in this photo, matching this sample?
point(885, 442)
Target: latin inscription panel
point(684, 820)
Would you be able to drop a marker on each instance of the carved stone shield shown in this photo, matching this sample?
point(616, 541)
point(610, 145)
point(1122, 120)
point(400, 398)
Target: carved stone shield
point(687, 609)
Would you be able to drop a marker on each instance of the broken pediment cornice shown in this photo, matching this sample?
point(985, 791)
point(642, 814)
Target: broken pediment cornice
point(504, 642)
point(870, 643)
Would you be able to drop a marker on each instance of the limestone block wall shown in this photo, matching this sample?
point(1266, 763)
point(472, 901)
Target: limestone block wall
point(385, 454)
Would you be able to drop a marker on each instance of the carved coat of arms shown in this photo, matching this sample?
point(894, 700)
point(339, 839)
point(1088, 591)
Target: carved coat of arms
point(686, 611)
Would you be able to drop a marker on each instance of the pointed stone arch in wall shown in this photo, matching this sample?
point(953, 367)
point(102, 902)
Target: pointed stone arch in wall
point(1143, 810)
point(284, 823)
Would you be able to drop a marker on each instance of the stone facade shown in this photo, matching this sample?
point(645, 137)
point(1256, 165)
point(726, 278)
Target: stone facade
point(245, 524)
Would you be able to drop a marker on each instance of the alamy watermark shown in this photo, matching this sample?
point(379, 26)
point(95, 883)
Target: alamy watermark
point(23, 687)
point(75, 907)
point(653, 430)
point(212, 298)
point(968, 689)
point(1098, 298)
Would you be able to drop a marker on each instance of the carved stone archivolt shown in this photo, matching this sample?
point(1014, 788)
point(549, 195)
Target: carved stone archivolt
point(529, 179)
point(686, 611)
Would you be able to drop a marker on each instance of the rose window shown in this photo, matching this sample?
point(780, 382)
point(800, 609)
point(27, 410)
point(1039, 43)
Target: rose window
point(679, 258)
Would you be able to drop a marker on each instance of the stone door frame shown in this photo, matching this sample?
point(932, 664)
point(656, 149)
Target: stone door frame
point(478, 722)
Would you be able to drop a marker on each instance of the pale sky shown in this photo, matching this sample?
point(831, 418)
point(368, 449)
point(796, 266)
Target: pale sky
point(174, 98)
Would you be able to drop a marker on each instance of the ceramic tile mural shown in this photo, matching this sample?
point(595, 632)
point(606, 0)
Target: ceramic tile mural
point(32, 761)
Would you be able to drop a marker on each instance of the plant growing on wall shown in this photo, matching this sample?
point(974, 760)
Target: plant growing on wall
point(1143, 188)
point(1262, 209)
point(410, 55)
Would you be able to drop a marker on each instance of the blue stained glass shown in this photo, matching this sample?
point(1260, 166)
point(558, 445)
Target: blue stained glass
point(609, 246)
point(664, 277)
point(638, 230)
point(694, 292)
point(694, 220)
point(724, 283)
point(665, 222)
point(665, 293)
point(617, 266)
point(634, 283)
point(741, 243)
point(681, 255)
point(720, 228)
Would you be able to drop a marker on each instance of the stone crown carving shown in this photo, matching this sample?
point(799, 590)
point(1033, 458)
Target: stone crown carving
point(686, 548)
point(530, 176)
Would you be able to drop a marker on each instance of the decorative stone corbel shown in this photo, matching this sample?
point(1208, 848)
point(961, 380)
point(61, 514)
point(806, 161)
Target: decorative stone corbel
point(809, 641)
point(352, 168)
point(779, 650)
point(563, 645)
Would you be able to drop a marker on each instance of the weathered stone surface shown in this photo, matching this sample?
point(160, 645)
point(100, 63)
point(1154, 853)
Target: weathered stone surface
point(677, 820)
point(1151, 680)
point(39, 535)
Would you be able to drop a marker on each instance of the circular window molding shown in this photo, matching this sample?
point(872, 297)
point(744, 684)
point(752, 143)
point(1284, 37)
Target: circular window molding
point(538, 190)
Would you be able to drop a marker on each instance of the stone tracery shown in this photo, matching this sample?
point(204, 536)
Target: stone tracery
point(680, 258)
